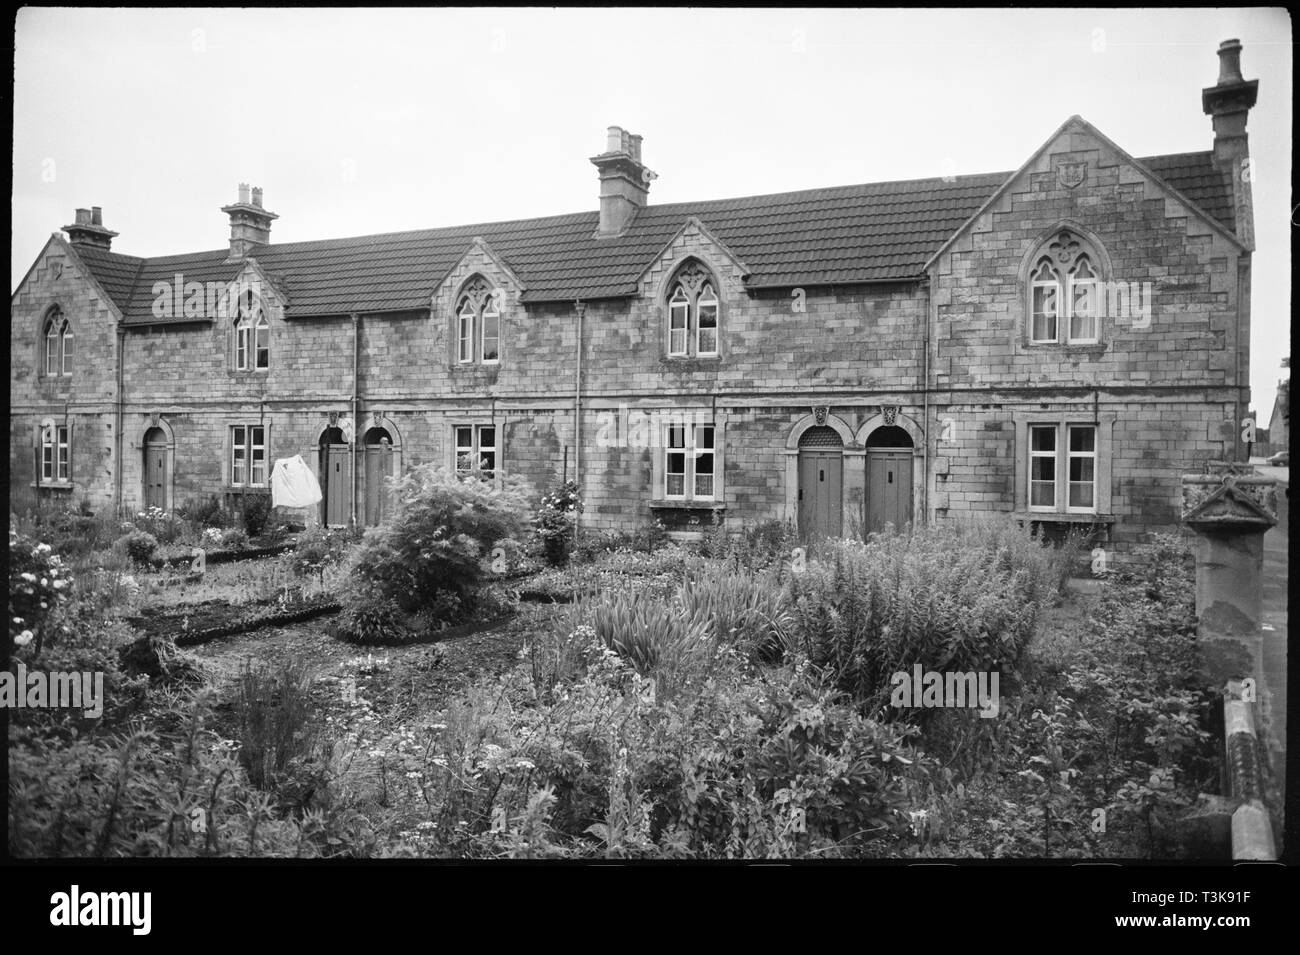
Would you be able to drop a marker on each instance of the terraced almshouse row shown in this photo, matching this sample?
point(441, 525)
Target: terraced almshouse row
point(1060, 342)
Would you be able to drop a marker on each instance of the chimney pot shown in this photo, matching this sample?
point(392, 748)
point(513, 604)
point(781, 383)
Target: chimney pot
point(1230, 62)
point(96, 215)
point(243, 193)
point(257, 196)
point(83, 217)
point(624, 182)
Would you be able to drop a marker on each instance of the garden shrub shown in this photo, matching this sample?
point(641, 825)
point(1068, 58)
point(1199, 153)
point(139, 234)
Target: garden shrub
point(370, 618)
point(38, 585)
point(255, 512)
point(318, 548)
point(234, 539)
point(752, 765)
point(206, 512)
point(950, 598)
point(441, 536)
point(554, 523)
point(140, 546)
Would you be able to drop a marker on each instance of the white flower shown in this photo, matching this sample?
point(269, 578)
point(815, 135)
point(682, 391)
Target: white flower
point(30, 578)
point(24, 638)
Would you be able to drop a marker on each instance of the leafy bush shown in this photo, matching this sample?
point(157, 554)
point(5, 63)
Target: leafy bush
point(140, 546)
point(255, 511)
point(234, 539)
point(767, 765)
point(554, 523)
point(38, 584)
point(206, 512)
point(950, 598)
point(441, 536)
point(318, 548)
point(370, 618)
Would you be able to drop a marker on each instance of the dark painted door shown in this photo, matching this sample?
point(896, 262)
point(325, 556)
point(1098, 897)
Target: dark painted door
point(820, 493)
point(336, 488)
point(155, 474)
point(889, 488)
point(379, 465)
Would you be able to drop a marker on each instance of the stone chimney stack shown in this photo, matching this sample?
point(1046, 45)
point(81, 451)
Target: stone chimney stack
point(250, 224)
point(87, 230)
point(624, 182)
point(1228, 103)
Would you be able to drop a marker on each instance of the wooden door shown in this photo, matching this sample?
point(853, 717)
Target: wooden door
point(379, 465)
point(155, 474)
point(889, 488)
point(336, 485)
point(820, 493)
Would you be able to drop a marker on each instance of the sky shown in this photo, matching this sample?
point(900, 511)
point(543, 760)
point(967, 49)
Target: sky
point(364, 121)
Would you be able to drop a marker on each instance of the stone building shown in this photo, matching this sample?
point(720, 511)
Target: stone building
point(1060, 343)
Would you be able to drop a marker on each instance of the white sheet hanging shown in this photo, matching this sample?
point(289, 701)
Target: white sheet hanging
point(293, 484)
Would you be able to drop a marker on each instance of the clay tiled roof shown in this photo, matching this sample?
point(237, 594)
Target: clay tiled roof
point(877, 232)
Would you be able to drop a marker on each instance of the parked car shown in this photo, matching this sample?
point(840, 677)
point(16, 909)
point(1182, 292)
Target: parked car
point(1281, 460)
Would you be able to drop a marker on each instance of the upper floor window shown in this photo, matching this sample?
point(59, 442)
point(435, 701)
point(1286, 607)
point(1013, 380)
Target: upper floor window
point(693, 314)
point(58, 344)
point(1065, 293)
point(252, 335)
point(478, 324)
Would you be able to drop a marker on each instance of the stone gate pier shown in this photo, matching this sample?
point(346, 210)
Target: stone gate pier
point(1230, 508)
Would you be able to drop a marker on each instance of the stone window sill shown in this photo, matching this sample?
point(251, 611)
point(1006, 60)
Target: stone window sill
point(687, 506)
point(1056, 517)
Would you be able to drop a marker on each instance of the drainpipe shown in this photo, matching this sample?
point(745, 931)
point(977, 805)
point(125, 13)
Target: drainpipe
point(931, 317)
point(117, 427)
point(356, 392)
point(581, 309)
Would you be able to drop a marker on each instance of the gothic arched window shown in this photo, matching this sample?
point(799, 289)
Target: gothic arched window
point(252, 335)
point(1065, 292)
point(58, 344)
point(693, 314)
point(478, 323)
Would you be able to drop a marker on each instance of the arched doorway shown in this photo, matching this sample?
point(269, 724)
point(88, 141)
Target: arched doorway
point(889, 478)
point(156, 472)
point(821, 483)
point(335, 478)
point(381, 454)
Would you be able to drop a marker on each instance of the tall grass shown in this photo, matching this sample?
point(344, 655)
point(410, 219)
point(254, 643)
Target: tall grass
point(273, 711)
point(949, 597)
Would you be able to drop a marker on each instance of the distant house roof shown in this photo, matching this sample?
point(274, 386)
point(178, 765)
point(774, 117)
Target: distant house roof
point(878, 232)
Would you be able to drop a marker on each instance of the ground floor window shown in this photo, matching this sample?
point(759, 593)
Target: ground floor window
point(1068, 450)
point(248, 455)
point(689, 456)
point(55, 454)
point(476, 450)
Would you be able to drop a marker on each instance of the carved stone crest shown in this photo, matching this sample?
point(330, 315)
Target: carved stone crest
point(155, 420)
point(334, 419)
point(819, 414)
point(1071, 174)
point(56, 269)
point(890, 413)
